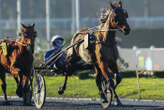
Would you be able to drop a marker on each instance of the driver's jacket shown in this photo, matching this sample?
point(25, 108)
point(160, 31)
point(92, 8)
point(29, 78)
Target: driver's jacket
point(60, 62)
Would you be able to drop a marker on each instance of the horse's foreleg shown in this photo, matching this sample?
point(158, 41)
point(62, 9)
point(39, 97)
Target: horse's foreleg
point(98, 82)
point(110, 83)
point(104, 70)
point(3, 85)
point(62, 89)
point(114, 69)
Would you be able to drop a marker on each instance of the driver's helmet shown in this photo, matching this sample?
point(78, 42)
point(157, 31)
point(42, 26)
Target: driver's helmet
point(57, 41)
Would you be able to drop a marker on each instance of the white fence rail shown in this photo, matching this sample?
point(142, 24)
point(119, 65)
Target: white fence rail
point(145, 58)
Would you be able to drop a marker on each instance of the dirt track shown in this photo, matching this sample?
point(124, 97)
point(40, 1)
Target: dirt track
point(83, 104)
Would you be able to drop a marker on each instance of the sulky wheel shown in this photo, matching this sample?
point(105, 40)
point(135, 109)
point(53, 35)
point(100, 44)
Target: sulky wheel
point(106, 96)
point(39, 91)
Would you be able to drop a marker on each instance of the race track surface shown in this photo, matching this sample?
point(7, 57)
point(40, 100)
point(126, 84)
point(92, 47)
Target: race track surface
point(82, 104)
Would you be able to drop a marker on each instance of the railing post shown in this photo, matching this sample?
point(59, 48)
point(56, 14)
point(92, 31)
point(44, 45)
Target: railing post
point(138, 82)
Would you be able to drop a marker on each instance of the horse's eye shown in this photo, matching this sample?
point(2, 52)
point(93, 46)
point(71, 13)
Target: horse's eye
point(116, 19)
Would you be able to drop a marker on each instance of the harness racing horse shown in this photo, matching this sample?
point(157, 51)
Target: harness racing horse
point(18, 61)
point(102, 52)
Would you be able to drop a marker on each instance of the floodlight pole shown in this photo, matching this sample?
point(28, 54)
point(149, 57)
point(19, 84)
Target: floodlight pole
point(73, 27)
point(18, 15)
point(48, 22)
point(77, 6)
point(146, 8)
point(0, 17)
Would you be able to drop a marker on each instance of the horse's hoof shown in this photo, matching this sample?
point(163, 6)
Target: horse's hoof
point(27, 104)
point(19, 92)
point(117, 103)
point(60, 91)
point(103, 98)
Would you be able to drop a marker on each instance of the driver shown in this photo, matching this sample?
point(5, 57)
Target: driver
point(57, 44)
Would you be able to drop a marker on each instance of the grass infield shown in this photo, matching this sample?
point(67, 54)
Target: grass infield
point(151, 88)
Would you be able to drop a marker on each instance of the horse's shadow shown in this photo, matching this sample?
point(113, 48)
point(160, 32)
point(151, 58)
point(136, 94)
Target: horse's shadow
point(81, 105)
point(14, 103)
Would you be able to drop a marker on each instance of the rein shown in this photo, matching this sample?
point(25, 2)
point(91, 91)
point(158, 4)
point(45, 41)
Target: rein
point(97, 30)
point(94, 29)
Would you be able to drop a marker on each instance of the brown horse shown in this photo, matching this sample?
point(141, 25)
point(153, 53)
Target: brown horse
point(18, 61)
point(102, 52)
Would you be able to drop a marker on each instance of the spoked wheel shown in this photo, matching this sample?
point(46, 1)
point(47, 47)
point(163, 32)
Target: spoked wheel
point(106, 95)
point(39, 91)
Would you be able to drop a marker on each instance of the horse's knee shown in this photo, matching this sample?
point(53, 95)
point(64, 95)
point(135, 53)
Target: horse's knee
point(14, 71)
point(110, 83)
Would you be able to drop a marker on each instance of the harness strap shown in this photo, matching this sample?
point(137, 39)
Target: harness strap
point(21, 43)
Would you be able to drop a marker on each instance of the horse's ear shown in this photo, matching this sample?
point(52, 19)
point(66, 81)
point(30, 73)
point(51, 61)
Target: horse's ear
point(112, 6)
point(120, 4)
point(33, 25)
point(23, 26)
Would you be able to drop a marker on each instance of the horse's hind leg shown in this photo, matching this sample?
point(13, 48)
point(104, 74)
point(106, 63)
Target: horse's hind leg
point(27, 92)
point(17, 73)
point(3, 85)
point(62, 89)
point(114, 69)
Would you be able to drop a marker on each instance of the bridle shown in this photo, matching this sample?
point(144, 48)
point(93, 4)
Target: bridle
point(23, 44)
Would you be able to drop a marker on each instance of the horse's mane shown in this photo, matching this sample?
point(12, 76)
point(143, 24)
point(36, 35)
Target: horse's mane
point(103, 15)
point(104, 12)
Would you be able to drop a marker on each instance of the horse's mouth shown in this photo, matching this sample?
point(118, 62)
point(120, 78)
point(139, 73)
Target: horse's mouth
point(126, 31)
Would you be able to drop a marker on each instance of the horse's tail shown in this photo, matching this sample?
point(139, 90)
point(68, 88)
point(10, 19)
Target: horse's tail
point(71, 51)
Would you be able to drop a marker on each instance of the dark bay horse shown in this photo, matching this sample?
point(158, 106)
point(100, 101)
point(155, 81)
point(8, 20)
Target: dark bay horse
point(103, 53)
point(18, 61)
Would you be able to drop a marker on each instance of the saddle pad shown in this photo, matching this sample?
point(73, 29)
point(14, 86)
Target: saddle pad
point(4, 48)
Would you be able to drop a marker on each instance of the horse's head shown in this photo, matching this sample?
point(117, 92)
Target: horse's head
point(28, 34)
point(117, 17)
